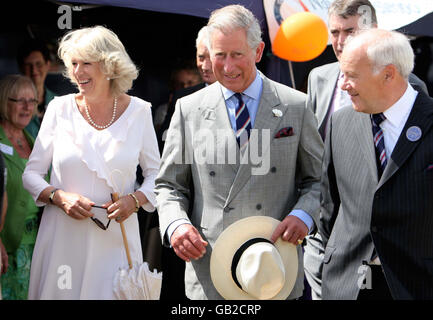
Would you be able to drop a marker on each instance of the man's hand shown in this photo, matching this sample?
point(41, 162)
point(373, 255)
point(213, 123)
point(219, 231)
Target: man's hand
point(291, 229)
point(188, 243)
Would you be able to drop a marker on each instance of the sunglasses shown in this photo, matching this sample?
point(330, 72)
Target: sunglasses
point(98, 222)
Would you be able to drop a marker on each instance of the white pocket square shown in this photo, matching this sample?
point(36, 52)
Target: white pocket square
point(277, 113)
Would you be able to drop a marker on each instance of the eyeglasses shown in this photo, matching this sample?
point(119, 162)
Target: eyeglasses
point(21, 102)
point(98, 222)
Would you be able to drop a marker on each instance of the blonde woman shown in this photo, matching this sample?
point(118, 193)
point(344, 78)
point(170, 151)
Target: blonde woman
point(18, 100)
point(94, 141)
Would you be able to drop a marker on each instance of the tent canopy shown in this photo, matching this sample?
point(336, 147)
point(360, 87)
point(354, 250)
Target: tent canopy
point(198, 8)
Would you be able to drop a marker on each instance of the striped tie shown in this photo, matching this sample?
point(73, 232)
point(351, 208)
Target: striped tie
point(243, 122)
point(379, 142)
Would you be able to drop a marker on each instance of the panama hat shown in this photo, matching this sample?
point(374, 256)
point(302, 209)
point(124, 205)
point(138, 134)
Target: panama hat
point(245, 265)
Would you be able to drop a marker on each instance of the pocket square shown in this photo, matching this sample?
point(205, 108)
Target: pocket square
point(284, 132)
point(429, 167)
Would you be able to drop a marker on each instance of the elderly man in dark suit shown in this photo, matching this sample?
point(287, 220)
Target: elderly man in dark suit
point(173, 286)
point(324, 97)
point(376, 217)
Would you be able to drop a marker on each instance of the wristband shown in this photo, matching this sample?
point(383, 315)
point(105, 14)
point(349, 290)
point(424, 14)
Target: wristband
point(137, 204)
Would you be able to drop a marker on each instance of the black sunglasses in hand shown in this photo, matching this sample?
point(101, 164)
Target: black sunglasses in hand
point(98, 222)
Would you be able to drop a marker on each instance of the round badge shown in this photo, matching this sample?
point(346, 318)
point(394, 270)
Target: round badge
point(413, 133)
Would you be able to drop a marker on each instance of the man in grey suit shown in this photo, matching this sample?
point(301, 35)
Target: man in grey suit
point(376, 217)
point(324, 96)
point(275, 172)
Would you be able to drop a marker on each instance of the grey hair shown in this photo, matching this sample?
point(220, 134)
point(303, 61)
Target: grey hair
point(99, 44)
point(385, 48)
point(202, 36)
point(233, 17)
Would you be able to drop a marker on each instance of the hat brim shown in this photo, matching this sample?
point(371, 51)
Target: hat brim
point(231, 239)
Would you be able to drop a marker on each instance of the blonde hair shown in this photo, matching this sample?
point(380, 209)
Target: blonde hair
point(99, 44)
point(10, 85)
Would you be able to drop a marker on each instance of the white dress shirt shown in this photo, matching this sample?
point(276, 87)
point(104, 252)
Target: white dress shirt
point(396, 118)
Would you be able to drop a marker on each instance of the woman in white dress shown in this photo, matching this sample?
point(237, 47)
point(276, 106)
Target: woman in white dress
point(93, 142)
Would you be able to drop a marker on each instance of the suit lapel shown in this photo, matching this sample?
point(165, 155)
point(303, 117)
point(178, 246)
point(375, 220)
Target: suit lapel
point(327, 85)
point(265, 120)
point(421, 116)
point(364, 136)
point(215, 117)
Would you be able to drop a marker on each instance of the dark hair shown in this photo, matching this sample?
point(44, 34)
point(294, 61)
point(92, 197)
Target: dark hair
point(186, 65)
point(30, 46)
point(349, 8)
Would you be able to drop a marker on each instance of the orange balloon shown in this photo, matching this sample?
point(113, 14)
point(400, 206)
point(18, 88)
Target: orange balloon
point(301, 37)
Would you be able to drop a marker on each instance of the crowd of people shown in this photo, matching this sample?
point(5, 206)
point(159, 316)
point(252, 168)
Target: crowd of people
point(322, 195)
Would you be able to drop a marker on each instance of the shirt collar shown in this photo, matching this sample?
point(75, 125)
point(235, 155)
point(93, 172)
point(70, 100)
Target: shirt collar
point(398, 112)
point(253, 91)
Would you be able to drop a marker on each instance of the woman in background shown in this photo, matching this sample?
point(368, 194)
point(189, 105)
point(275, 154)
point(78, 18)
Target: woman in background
point(18, 100)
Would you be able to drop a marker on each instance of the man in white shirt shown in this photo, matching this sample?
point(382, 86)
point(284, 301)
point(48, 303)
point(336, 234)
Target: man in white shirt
point(376, 210)
point(325, 96)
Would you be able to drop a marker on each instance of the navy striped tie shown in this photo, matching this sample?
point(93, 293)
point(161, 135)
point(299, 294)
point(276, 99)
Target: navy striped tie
point(379, 141)
point(243, 122)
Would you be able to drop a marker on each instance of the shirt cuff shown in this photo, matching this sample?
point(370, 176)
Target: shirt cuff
point(305, 217)
point(173, 226)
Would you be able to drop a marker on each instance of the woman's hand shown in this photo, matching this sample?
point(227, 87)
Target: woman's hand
point(73, 204)
point(121, 209)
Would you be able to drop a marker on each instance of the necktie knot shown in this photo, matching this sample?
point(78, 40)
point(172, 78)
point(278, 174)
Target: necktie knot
point(378, 118)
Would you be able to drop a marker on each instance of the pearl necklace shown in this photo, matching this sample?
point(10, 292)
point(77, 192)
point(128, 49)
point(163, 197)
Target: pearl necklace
point(108, 124)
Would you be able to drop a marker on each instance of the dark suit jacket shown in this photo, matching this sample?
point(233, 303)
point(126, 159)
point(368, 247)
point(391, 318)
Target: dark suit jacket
point(176, 95)
point(393, 215)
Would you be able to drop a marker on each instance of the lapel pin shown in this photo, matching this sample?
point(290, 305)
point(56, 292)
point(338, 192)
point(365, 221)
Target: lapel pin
point(209, 115)
point(277, 113)
point(413, 133)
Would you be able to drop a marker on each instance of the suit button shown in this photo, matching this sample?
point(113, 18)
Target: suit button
point(259, 206)
point(273, 169)
point(374, 229)
point(212, 173)
point(227, 209)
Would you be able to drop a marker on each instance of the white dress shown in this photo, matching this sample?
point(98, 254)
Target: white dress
point(75, 259)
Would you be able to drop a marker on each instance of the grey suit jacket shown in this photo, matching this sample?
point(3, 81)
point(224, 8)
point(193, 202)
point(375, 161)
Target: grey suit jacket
point(393, 215)
point(199, 150)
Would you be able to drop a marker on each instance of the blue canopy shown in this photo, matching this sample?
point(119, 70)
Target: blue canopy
point(198, 8)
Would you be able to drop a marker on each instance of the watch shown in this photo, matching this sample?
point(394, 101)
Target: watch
point(52, 193)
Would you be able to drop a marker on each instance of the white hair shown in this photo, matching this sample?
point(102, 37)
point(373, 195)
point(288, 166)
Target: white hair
point(233, 17)
point(99, 44)
point(385, 48)
point(202, 36)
